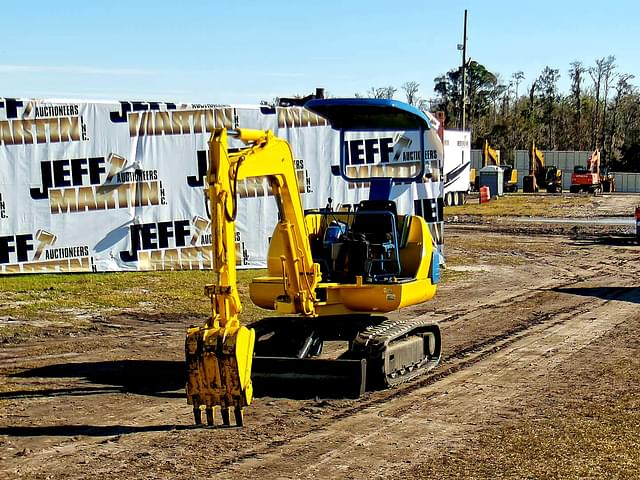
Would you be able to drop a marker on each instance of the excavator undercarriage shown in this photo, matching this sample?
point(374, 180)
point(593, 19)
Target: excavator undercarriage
point(341, 357)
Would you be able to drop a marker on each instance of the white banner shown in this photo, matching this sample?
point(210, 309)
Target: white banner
point(119, 186)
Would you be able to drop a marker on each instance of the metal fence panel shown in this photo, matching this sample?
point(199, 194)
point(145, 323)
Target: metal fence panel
point(627, 182)
point(476, 159)
point(521, 164)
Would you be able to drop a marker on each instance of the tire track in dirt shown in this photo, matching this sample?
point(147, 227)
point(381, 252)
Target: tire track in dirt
point(413, 422)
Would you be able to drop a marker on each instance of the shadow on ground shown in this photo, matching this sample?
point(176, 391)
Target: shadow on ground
point(608, 240)
point(157, 378)
point(88, 430)
point(622, 294)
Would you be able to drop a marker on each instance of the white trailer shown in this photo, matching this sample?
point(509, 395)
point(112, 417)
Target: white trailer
point(457, 166)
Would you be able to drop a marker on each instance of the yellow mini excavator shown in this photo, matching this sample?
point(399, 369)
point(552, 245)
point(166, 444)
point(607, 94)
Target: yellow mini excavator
point(331, 275)
point(541, 176)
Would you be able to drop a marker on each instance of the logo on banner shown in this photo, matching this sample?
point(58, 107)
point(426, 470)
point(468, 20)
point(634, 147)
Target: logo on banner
point(3, 208)
point(26, 253)
point(250, 187)
point(153, 118)
point(95, 183)
point(175, 245)
point(383, 157)
point(33, 123)
point(384, 150)
point(295, 117)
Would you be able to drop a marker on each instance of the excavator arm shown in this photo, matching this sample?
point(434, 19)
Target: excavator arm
point(490, 155)
point(219, 353)
point(536, 160)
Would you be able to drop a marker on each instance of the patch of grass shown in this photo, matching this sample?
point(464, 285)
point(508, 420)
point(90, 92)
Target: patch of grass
point(74, 298)
point(534, 205)
point(450, 276)
point(474, 250)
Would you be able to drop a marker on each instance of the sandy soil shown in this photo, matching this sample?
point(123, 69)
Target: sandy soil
point(524, 313)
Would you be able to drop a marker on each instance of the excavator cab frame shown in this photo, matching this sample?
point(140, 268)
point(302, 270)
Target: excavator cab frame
point(373, 115)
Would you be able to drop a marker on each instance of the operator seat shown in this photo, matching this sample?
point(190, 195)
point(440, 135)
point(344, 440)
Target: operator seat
point(376, 223)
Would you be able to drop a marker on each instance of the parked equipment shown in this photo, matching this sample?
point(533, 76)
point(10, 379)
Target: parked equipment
point(547, 177)
point(592, 178)
point(607, 179)
point(491, 156)
point(337, 270)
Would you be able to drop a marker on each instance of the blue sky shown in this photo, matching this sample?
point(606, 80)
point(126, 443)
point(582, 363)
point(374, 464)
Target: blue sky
point(247, 51)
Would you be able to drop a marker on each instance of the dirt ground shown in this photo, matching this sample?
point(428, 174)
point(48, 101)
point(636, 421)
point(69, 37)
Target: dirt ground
point(540, 378)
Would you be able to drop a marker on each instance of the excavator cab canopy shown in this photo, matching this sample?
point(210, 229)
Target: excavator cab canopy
point(394, 155)
point(369, 114)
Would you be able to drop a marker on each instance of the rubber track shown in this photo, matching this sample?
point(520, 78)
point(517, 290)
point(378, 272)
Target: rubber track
point(375, 339)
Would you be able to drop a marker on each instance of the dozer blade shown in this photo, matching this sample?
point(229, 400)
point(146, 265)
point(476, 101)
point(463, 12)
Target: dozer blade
point(309, 378)
point(219, 371)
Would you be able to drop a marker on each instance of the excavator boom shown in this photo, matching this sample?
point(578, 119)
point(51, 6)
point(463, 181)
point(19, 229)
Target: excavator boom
point(490, 155)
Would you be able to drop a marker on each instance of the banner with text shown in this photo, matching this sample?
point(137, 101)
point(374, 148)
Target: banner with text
point(120, 186)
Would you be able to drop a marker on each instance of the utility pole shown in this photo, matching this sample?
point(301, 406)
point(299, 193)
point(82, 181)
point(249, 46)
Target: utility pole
point(464, 73)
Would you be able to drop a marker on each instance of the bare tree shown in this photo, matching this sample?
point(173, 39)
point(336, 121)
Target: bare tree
point(598, 73)
point(623, 89)
point(517, 78)
point(576, 72)
point(532, 99)
point(381, 92)
point(608, 77)
point(411, 92)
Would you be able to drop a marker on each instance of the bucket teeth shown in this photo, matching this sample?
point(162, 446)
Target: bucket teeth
point(225, 416)
point(209, 412)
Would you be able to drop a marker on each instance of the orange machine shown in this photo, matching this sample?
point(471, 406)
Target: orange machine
point(590, 178)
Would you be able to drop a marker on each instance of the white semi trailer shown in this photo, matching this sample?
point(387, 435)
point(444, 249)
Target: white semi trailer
point(456, 166)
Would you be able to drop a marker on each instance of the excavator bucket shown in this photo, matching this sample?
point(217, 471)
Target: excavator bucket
point(219, 371)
